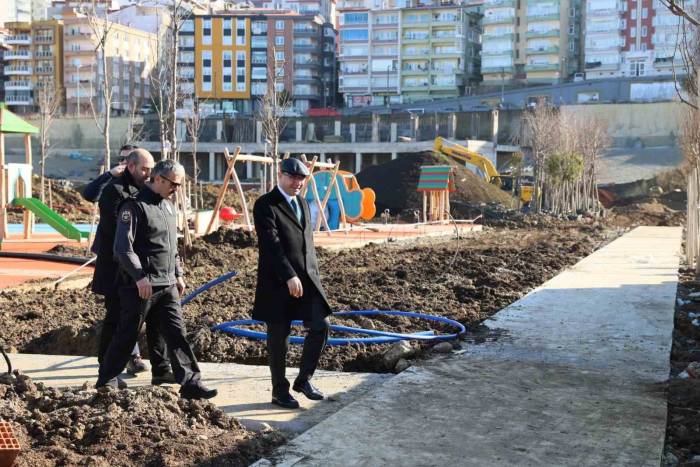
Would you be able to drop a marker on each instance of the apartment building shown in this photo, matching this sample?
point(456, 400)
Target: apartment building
point(130, 55)
point(293, 52)
point(632, 38)
point(323, 8)
point(531, 41)
point(35, 62)
point(3, 47)
point(400, 51)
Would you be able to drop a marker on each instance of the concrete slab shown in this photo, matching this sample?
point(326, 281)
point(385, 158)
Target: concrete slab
point(244, 390)
point(570, 375)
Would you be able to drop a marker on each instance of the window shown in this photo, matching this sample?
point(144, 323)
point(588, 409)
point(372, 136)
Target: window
point(643, 47)
point(228, 29)
point(279, 56)
point(633, 31)
point(644, 31)
point(354, 35)
point(279, 25)
point(354, 18)
point(279, 40)
point(645, 13)
point(240, 32)
point(226, 56)
point(623, 23)
point(206, 31)
point(206, 59)
point(633, 15)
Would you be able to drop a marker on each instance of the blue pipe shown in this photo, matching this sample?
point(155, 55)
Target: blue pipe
point(382, 337)
point(208, 286)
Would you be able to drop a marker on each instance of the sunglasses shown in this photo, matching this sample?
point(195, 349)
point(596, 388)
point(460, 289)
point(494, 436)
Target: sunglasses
point(173, 184)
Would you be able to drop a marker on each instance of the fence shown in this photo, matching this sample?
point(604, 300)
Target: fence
point(692, 239)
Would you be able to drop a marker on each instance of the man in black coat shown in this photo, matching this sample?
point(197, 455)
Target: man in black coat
point(138, 169)
point(289, 283)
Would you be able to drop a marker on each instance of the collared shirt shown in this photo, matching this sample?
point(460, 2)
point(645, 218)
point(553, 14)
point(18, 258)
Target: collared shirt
point(289, 200)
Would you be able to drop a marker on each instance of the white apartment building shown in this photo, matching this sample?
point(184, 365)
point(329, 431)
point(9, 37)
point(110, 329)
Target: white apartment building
point(632, 38)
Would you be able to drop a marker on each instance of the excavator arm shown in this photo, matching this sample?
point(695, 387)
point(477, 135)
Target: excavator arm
point(462, 154)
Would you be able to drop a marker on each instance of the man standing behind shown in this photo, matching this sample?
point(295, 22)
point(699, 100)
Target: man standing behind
point(93, 190)
point(151, 281)
point(289, 285)
point(138, 168)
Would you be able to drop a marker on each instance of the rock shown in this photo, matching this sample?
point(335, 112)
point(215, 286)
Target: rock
point(669, 460)
point(693, 370)
point(401, 365)
point(401, 349)
point(6, 379)
point(443, 347)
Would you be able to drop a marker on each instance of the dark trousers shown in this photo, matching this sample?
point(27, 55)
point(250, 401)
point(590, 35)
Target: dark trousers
point(157, 351)
point(314, 343)
point(162, 312)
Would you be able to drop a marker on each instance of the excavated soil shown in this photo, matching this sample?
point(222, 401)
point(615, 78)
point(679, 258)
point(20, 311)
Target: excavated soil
point(467, 280)
point(143, 426)
point(683, 430)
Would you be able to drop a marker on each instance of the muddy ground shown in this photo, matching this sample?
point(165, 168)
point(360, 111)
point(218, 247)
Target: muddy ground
point(683, 430)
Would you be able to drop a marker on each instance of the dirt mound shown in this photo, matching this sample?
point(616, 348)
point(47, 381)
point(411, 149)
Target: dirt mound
point(142, 426)
point(647, 212)
point(395, 184)
point(238, 238)
point(211, 192)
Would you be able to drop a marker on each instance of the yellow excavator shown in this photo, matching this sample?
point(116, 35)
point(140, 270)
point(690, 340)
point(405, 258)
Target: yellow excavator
point(522, 185)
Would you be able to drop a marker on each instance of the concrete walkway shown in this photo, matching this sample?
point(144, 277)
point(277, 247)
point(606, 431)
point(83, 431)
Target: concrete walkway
point(244, 390)
point(570, 375)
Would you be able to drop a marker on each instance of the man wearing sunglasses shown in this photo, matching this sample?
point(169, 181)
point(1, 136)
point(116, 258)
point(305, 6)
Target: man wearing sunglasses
point(289, 284)
point(151, 281)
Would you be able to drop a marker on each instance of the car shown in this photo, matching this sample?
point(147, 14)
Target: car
point(145, 110)
point(579, 77)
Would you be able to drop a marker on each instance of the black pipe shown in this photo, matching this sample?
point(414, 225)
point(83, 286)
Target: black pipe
point(7, 360)
point(44, 257)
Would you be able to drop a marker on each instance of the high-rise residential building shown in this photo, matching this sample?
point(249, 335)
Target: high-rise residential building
point(3, 48)
point(34, 63)
point(324, 8)
point(534, 41)
point(393, 52)
point(240, 52)
point(632, 38)
point(130, 55)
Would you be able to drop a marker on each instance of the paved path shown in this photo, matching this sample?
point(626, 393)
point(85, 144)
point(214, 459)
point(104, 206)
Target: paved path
point(570, 375)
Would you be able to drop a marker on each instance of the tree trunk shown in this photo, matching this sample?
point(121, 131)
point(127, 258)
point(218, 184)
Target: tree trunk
point(107, 96)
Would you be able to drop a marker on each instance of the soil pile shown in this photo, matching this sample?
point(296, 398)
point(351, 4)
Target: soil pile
point(395, 184)
point(649, 211)
point(467, 280)
point(143, 426)
point(211, 192)
point(237, 238)
point(65, 199)
point(683, 430)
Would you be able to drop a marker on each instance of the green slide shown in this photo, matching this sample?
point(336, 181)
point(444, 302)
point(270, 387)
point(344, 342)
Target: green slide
point(51, 217)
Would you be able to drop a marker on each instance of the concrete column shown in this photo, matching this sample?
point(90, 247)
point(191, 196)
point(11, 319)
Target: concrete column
point(219, 130)
point(494, 130)
point(358, 162)
point(416, 126)
point(322, 157)
point(394, 155)
point(258, 132)
point(311, 133)
point(394, 132)
point(336, 129)
point(298, 131)
point(353, 131)
point(452, 128)
point(249, 170)
point(212, 166)
point(375, 128)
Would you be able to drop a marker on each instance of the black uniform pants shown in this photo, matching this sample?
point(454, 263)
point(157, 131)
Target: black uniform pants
point(157, 351)
point(314, 343)
point(162, 312)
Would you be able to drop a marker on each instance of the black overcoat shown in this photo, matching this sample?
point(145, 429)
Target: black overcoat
point(106, 266)
point(286, 249)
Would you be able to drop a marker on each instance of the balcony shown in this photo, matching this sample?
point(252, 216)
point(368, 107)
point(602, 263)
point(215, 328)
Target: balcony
point(412, 39)
point(18, 100)
point(44, 70)
point(445, 37)
point(498, 35)
point(599, 66)
point(496, 52)
point(258, 43)
point(499, 3)
point(307, 48)
point(416, 52)
point(44, 39)
point(443, 87)
point(19, 39)
point(43, 54)
point(533, 18)
point(416, 86)
point(18, 70)
point(542, 50)
point(305, 32)
point(17, 55)
point(81, 51)
point(498, 19)
point(307, 63)
point(352, 4)
point(448, 52)
point(18, 85)
point(496, 69)
point(414, 71)
point(550, 33)
point(542, 67)
point(445, 20)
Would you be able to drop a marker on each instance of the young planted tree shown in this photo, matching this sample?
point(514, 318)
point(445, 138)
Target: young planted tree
point(193, 122)
point(48, 101)
point(540, 133)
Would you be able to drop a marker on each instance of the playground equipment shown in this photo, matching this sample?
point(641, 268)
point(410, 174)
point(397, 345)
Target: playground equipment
point(436, 182)
point(522, 185)
point(16, 184)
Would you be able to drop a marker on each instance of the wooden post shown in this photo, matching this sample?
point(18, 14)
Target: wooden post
point(3, 190)
point(425, 206)
point(222, 192)
point(28, 216)
point(327, 195)
point(239, 188)
point(341, 205)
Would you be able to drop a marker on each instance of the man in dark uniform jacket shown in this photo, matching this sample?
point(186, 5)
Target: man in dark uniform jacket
point(151, 281)
point(289, 284)
point(138, 169)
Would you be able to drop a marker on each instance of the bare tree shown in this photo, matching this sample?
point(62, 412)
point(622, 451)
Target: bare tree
point(48, 101)
point(540, 133)
point(272, 107)
point(102, 29)
point(159, 90)
point(193, 122)
point(134, 131)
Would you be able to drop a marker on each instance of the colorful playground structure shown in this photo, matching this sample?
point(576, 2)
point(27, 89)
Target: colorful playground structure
point(344, 199)
point(16, 185)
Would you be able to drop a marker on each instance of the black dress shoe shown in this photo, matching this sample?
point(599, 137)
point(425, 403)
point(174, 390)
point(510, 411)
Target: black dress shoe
point(308, 389)
point(197, 391)
point(285, 401)
point(167, 378)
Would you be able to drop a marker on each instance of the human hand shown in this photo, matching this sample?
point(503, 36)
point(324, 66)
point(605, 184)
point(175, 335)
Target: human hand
point(295, 288)
point(181, 286)
point(117, 170)
point(145, 288)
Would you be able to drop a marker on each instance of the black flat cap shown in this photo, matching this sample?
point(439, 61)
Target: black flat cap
point(294, 166)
